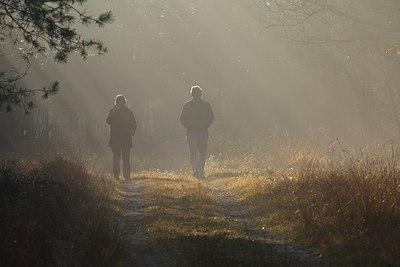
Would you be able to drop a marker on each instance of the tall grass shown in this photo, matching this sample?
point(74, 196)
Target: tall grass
point(345, 204)
point(56, 213)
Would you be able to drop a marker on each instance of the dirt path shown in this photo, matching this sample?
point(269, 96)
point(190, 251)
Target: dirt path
point(132, 213)
point(132, 217)
point(235, 210)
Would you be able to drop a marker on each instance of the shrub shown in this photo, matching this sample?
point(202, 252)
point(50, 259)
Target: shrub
point(56, 213)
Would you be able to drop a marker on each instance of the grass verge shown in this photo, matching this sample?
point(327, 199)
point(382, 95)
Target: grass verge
point(56, 213)
point(346, 207)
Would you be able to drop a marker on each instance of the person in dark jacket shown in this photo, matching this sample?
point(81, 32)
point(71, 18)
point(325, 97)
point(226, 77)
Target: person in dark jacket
point(122, 127)
point(197, 117)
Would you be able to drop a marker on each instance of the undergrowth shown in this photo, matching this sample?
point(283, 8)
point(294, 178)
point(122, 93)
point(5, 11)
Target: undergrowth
point(56, 213)
point(345, 205)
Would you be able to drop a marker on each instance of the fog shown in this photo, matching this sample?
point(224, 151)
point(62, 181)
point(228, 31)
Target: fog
point(259, 82)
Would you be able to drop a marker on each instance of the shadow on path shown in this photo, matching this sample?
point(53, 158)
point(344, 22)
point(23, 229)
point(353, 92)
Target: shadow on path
point(132, 214)
point(234, 209)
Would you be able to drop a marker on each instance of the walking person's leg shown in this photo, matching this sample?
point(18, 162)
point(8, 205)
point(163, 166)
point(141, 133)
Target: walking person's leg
point(126, 162)
point(193, 152)
point(202, 140)
point(116, 161)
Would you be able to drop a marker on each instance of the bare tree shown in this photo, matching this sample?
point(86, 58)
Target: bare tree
point(367, 28)
point(321, 21)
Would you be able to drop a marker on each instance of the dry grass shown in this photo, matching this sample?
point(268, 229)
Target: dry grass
point(345, 204)
point(56, 213)
point(179, 205)
point(185, 226)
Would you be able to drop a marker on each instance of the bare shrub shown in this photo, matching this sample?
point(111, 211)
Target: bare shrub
point(56, 213)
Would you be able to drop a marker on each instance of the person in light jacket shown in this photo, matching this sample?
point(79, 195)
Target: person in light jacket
point(122, 127)
point(197, 116)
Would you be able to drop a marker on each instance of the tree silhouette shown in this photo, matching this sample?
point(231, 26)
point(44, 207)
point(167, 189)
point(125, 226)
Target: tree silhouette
point(322, 21)
point(42, 27)
point(368, 29)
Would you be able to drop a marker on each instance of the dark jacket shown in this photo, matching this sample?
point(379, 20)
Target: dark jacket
point(197, 116)
point(122, 126)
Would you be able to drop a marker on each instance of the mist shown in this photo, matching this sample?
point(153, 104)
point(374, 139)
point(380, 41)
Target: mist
point(211, 133)
point(259, 82)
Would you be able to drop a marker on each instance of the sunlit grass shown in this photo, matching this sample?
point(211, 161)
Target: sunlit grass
point(344, 204)
point(185, 226)
point(181, 205)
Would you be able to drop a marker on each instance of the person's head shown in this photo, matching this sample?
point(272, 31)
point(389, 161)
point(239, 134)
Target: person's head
point(196, 91)
point(120, 100)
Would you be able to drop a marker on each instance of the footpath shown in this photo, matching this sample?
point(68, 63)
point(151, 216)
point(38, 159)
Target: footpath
point(236, 211)
point(132, 221)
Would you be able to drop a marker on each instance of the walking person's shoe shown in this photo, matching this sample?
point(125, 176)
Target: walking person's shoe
point(196, 174)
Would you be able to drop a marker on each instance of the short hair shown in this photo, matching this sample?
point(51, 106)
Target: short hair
point(120, 98)
point(196, 88)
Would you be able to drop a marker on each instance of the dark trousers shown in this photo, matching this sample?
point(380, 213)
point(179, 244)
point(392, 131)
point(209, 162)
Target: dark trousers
point(197, 149)
point(126, 164)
